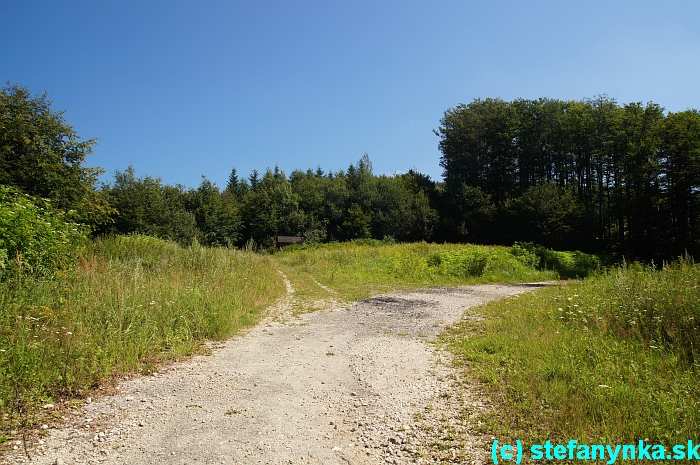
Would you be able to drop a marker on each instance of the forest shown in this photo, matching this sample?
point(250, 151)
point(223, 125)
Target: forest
point(591, 175)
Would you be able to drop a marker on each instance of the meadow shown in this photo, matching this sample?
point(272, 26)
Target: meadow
point(611, 359)
point(359, 268)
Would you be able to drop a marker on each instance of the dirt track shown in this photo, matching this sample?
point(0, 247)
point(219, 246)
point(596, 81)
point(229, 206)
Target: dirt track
point(355, 384)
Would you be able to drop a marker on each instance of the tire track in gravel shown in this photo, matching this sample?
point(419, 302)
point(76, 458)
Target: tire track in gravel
point(338, 386)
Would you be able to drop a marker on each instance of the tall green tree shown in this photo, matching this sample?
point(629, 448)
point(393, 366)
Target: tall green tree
point(216, 214)
point(271, 209)
point(43, 156)
point(680, 161)
point(146, 206)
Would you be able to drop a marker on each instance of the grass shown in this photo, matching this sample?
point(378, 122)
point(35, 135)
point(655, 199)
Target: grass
point(129, 304)
point(611, 359)
point(358, 269)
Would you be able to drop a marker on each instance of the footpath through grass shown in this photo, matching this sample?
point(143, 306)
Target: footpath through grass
point(130, 303)
point(613, 359)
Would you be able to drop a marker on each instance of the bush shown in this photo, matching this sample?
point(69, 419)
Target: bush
point(569, 264)
point(460, 263)
point(35, 238)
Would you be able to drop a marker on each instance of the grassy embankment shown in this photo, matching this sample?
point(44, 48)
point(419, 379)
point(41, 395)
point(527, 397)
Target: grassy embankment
point(130, 303)
point(613, 359)
point(358, 269)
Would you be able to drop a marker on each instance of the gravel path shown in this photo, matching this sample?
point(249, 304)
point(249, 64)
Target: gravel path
point(354, 384)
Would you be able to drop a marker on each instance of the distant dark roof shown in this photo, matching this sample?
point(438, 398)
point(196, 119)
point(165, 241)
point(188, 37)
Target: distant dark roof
point(289, 239)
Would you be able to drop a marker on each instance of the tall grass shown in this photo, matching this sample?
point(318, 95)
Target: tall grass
point(358, 269)
point(611, 359)
point(130, 303)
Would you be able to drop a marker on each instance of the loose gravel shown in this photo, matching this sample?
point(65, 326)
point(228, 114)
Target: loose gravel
point(353, 384)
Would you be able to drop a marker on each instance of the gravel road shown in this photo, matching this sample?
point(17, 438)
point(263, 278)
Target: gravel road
point(353, 384)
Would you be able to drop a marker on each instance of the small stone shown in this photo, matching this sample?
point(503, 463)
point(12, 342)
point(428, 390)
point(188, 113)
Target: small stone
point(44, 426)
point(88, 400)
point(48, 406)
point(354, 394)
point(141, 423)
point(59, 461)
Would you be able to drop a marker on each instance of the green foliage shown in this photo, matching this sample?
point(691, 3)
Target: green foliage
point(569, 264)
point(460, 263)
point(610, 359)
point(146, 206)
point(659, 309)
point(590, 175)
point(131, 303)
point(270, 209)
point(364, 266)
point(357, 224)
point(216, 214)
point(545, 214)
point(41, 155)
point(35, 238)
point(467, 212)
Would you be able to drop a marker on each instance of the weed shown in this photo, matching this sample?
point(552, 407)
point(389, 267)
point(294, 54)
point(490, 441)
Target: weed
point(610, 359)
point(128, 304)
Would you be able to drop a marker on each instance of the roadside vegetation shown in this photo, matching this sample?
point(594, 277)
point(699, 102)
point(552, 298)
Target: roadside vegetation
point(611, 359)
point(128, 304)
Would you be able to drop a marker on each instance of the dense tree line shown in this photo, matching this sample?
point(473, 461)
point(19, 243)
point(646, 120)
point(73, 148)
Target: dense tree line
point(588, 174)
point(343, 205)
point(591, 175)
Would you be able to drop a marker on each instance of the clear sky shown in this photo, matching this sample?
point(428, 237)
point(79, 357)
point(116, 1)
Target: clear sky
point(182, 89)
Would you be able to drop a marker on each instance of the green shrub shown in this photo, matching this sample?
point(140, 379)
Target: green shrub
point(569, 264)
point(468, 262)
point(35, 238)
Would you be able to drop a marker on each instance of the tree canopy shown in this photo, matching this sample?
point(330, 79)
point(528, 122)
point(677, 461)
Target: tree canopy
point(42, 155)
point(626, 176)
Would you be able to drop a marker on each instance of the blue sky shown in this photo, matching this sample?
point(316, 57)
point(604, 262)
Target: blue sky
point(182, 89)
